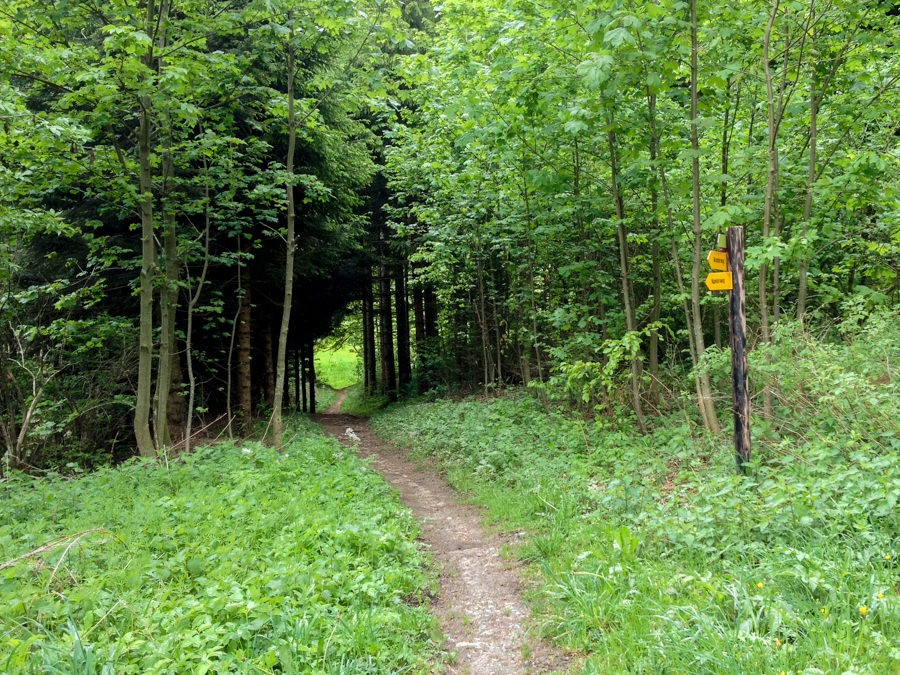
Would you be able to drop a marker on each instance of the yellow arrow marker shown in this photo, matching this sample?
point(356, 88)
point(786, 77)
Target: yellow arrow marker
point(718, 260)
point(719, 281)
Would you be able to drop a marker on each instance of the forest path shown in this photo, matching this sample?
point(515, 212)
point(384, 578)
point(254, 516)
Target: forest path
point(479, 604)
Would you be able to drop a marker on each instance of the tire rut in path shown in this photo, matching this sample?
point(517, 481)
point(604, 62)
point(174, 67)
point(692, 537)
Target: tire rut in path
point(479, 604)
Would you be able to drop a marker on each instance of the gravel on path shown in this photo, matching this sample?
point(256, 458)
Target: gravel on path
point(479, 604)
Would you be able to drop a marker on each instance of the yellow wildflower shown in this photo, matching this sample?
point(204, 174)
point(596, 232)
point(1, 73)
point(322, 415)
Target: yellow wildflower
point(880, 596)
point(863, 610)
point(887, 556)
point(777, 642)
point(759, 585)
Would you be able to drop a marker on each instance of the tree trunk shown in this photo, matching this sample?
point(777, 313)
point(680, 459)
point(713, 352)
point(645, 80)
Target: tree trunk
point(770, 195)
point(244, 367)
point(168, 302)
point(269, 363)
point(419, 315)
point(707, 406)
point(484, 329)
point(312, 376)
point(298, 381)
point(653, 346)
point(401, 303)
point(370, 365)
point(168, 295)
point(627, 291)
point(803, 271)
point(386, 321)
point(431, 312)
point(304, 378)
point(142, 404)
point(290, 243)
point(189, 332)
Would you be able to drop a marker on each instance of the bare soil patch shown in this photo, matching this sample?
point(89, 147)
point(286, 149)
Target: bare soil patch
point(479, 603)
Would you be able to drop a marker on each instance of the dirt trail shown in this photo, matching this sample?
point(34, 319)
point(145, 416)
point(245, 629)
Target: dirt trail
point(479, 604)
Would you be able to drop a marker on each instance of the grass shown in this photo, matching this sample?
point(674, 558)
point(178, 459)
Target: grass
point(325, 397)
point(338, 367)
point(359, 403)
point(651, 555)
point(233, 559)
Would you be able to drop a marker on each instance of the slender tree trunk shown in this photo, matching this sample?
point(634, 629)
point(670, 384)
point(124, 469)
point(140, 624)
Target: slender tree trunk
point(386, 321)
point(431, 312)
point(422, 381)
point(304, 377)
point(803, 271)
point(168, 301)
point(707, 405)
point(244, 366)
point(370, 355)
point(269, 363)
point(727, 134)
point(770, 194)
point(143, 437)
point(401, 303)
point(627, 291)
point(168, 295)
point(290, 241)
point(484, 330)
point(298, 381)
point(499, 282)
point(772, 175)
point(532, 287)
point(192, 305)
point(229, 360)
point(311, 346)
point(653, 346)
point(419, 315)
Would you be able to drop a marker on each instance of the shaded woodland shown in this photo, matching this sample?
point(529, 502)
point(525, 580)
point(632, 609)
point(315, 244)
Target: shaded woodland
point(493, 193)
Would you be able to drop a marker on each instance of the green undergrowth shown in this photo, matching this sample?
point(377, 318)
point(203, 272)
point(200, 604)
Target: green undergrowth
point(360, 403)
point(325, 397)
point(233, 559)
point(650, 554)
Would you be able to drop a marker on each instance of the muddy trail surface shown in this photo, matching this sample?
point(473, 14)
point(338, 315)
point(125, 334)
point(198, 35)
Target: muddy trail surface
point(479, 603)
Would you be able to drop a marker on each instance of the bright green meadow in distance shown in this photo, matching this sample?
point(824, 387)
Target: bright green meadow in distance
point(337, 367)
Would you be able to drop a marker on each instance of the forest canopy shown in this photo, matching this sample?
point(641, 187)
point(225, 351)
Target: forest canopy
point(501, 192)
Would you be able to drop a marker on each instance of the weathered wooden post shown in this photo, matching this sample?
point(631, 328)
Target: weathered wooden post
point(729, 276)
point(738, 329)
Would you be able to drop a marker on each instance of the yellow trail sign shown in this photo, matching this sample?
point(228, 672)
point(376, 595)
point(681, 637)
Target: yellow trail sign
point(718, 260)
point(719, 281)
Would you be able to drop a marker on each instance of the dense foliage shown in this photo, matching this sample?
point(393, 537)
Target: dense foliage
point(153, 158)
point(650, 555)
point(512, 191)
point(504, 192)
point(233, 559)
point(563, 169)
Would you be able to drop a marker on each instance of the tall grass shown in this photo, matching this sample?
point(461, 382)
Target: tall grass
point(234, 559)
point(650, 554)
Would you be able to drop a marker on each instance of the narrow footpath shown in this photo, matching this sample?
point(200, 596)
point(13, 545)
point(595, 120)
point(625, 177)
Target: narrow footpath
point(479, 604)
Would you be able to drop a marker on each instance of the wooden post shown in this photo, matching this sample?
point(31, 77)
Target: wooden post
point(738, 330)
